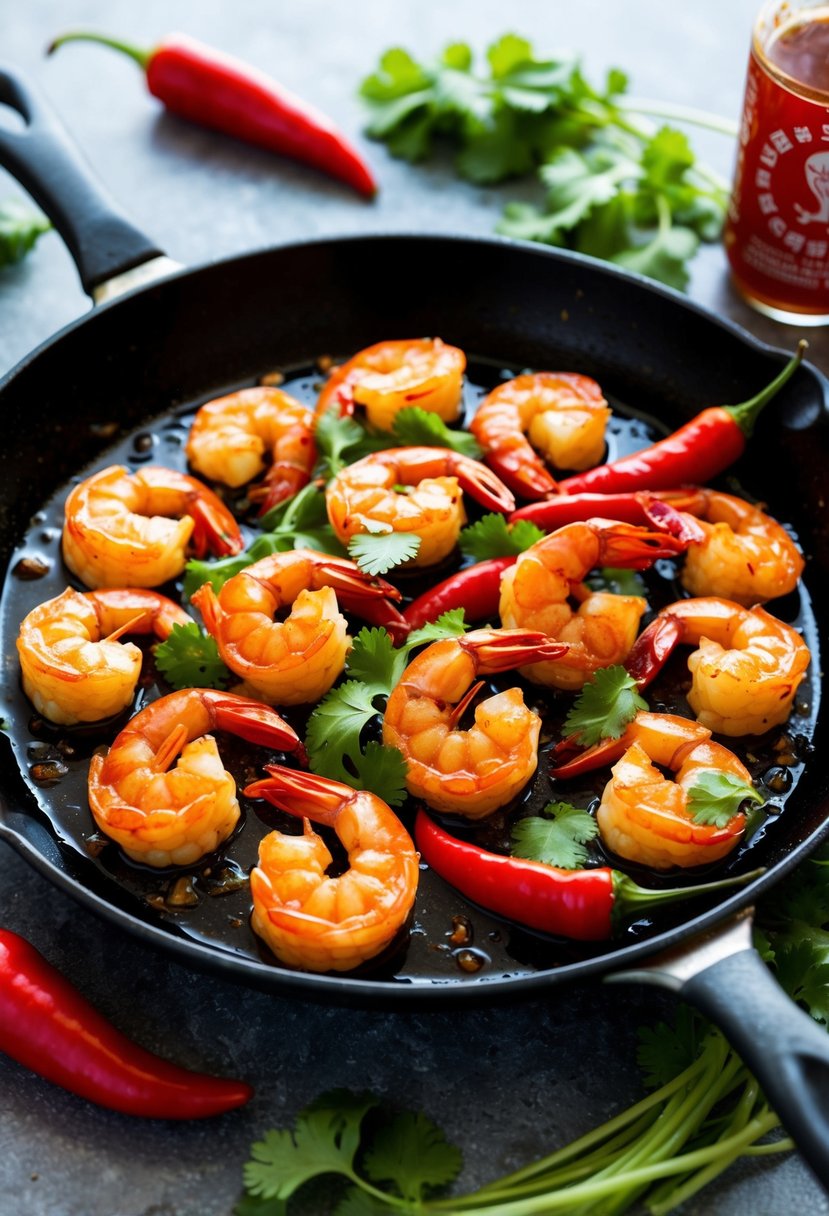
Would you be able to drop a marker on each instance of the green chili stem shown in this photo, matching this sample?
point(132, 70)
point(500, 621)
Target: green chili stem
point(745, 414)
point(142, 58)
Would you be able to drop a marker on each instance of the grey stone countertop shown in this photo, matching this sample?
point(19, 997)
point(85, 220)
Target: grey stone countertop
point(507, 1084)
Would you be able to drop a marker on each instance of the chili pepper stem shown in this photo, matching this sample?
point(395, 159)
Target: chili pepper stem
point(630, 898)
point(142, 58)
point(745, 414)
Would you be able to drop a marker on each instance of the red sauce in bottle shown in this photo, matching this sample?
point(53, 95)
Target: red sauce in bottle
point(777, 232)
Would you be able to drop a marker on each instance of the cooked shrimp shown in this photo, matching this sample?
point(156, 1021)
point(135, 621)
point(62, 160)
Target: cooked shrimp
point(134, 528)
point(746, 556)
point(390, 376)
point(232, 438)
point(75, 668)
point(647, 817)
point(536, 593)
point(376, 491)
point(471, 772)
point(320, 922)
point(565, 416)
point(171, 816)
point(293, 661)
point(745, 672)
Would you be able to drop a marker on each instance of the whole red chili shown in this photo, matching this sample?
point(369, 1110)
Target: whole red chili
point(217, 91)
point(699, 450)
point(586, 905)
point(475, 588)
point(629, 507)
point(49, 1027)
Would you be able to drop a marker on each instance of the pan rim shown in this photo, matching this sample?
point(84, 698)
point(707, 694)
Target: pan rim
point(408, 991)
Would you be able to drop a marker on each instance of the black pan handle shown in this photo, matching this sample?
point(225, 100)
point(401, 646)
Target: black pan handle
point(782, 1046)
point(102, 241)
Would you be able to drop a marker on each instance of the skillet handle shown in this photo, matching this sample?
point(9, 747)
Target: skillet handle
point(783, 1047)
point(102, 241)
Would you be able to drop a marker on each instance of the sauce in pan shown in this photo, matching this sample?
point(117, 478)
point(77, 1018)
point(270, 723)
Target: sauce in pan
point(447, 940)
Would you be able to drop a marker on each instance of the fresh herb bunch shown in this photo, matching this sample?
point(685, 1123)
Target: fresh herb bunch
point(704, 1111)
point(617, 186)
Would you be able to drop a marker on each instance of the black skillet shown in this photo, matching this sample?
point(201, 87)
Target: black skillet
point(117, 385)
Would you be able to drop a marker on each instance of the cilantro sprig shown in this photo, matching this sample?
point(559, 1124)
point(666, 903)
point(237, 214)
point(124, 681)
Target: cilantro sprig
point(604, 707)
point(333, 739)
point(715, 798)
point(189, 658)
point(492, 536)
point(616, 186)
point(557, 836)
point(343, 440)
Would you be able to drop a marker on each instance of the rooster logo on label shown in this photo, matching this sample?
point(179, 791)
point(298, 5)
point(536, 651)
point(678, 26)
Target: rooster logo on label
point(817, 177)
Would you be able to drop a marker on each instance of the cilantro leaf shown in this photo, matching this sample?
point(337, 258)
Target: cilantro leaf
point(492, 536)
point(334, 728)
point(340, 441)
point(605, 706)
point(189, 658)
point(557, 836)
point(374, 660)
point(413, 1154)
point(20, 226)
point(324, 1140)
point(666, 1051)
point(802, 967)
point(377, 552)
point(382, 770)
point(715, 798)
point(415, 427)
point(450, 624)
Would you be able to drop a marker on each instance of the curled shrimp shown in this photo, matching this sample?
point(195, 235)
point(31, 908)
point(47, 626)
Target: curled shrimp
point(647, 817)
point(232, 438)
point(564, 414)
point(74, 666)
point(745, 671)
point(536, 593)
point(163, 815)
point(134, 528)
point(471, 772)
point(294, 661)
point(330, 923)
point(412, 490)
point(390, 376)
point(746, 556)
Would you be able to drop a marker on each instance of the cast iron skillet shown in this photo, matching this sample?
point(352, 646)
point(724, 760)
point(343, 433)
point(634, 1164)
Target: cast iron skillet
point(183, 336)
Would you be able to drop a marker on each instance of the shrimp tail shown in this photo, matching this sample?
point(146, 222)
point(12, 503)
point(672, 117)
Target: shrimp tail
point(506, 649)
point(667, 518)
point(306, 795)
point(215, 531)
point(383, 613)
point(632, 547)
point(653, 648)
point(571, 760)
point(255, 722)
point(352, 585)
point(484, 485)
point(283, 480)
point(517, 465)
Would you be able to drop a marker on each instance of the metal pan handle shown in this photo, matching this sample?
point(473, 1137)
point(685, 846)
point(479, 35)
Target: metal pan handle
point(725, 978)
point(102, 241)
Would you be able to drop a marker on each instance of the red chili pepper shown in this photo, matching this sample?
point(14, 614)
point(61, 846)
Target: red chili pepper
point(586, 905)
point(627, 507)
point(699, 450)
point(475, 588)
point(225, 94)
point(49, 1027)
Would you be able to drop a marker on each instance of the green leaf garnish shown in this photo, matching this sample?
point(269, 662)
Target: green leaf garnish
point(416, 427)
point(715, 798)
point(450, 624)
point(557, 836)
point(492, 536)
point(616, 185)
point(20, 227)
point(189, 658)
point(378, 552)
point(605, 706)
point(412, 1154)
point(617, 581)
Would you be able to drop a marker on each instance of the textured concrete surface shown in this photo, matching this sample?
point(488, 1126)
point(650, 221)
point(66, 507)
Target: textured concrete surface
point(506, 1084)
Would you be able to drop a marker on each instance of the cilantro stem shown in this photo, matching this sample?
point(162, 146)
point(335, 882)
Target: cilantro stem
point(680, 113)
